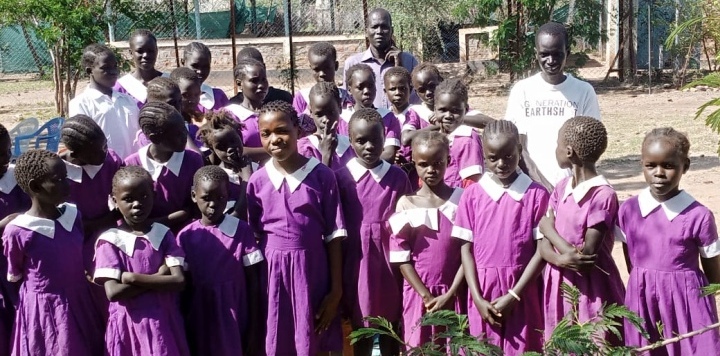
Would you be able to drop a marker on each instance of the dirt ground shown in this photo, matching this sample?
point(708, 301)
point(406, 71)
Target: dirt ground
point(627, 113)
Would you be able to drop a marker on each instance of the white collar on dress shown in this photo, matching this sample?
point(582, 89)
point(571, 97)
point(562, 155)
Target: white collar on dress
point(95, 94)
point(46, 227)
point(428, 217)
point(583, 188)
point(294, 179)
point(358, 171)
point(74, 172)
point(8, 182)
point(207, 98)
point(673, 207)
point(460, 131)
point(346, 114)
point(134, 87)
point(343, 143)
point(235, 177)
point(174, 164)
point(423, 112)
point(229, 225)
point(125, 241)
point(494, 188)
point(241, 112)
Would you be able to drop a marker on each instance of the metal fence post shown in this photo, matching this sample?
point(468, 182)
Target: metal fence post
point(198, 26)
point(288, 34)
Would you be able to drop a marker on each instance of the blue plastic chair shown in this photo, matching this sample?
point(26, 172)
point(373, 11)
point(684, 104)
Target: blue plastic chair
point(49, 134)
point(24, 127)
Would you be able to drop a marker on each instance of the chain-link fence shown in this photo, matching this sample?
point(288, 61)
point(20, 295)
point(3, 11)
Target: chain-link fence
point(433, 30)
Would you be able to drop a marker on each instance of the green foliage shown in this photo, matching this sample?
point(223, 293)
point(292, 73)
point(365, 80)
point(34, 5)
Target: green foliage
point(713, 118)
point(711, 289)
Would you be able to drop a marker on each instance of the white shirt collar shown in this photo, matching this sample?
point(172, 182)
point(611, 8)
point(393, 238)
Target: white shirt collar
point(46, 227)
point(125, 241)
point(358, 171)
point(343, 143)
point(240, 111)
point(235, 177)
point(155, 168)
point(672, 207)
point(74, 172)
point(494, 188)
point(450, 206)
point(462, 131)
point(293, 180)
point(229, 225)
point(8, 182)
point(207, 98)
point(583, 188)
point(402, 116)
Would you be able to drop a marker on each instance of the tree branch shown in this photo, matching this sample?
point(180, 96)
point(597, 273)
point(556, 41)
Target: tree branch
point(677, 338)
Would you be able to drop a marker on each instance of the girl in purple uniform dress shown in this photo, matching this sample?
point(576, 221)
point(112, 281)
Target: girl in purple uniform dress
point(189, 86)
point(56, 314)
point(666, 232)
point(144, 51)
point(12, 201)
point(170, 165)
point(466, 151)
point(221, 256)
point(294, 210)
point(369, 189)
point(498, 219)
point(325, 144)
point(578, 229)
point(197, 56)
point(251, 78)
point(140, 265)
point(429, 257)
point(221, 134)
point(360, 80)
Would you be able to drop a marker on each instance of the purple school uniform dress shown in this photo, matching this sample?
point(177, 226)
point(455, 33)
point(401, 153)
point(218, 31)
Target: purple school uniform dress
point(216, 257)
point(372, 286)
point(390, 122)
point(128, 84)
point(56, 314)
point(591, 203)
point(466, 156)
point(249, 121)
point(502, 224)
point(294, 216)
point(235, 189)
point(211, 99)
point(149, 323)
point(172, 180)
point(663, 242)
point(422, 235)
point(309, 146)
point(90, 188)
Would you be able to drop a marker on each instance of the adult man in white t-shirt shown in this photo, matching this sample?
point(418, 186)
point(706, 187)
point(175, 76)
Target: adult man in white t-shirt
point(541, 104)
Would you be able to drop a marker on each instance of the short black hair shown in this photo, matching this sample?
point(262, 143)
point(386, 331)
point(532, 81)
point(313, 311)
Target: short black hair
point(283, 107)
point(366, 114)
point(217, 120)
point(324, 49)
point(358, 67)
point(4, 135)
point(211, 173)
point(250, 52)
point(144, 33)
point(398, 72)
point(381, 11)
point(91, 52)
point(426, 67)
point(155, 115)
point(677, 139)
point(199, 47)
point(129, 172)
point(553, 29)
point(32, 165)
point(453, 86)
point(325, 89)
point(184, 73)
point(79, 132)
point(157, 88)
point(430, 138)
point(501, 127)
point(242, 64)
point(587, 136)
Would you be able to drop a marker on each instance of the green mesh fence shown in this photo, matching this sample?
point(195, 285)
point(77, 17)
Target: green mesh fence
point(22, 52)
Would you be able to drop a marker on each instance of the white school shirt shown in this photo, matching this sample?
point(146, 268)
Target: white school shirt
point(539, 109)
point(117, 116)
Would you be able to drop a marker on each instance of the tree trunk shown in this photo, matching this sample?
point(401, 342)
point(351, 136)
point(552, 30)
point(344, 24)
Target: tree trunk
point(33, 50)
point(571, 13)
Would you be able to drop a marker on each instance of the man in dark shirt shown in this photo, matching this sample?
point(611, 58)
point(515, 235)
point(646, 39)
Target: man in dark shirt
point(273, 93)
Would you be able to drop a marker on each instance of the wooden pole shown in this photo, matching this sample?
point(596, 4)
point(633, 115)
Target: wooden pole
point(232, 43)
point(174, 25)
